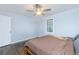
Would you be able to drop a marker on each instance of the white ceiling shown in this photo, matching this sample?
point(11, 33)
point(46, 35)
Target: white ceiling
point(21, 8)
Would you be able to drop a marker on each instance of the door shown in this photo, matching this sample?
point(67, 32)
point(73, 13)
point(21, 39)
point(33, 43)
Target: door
point(5, 37)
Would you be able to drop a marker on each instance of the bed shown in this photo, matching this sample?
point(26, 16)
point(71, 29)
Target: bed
point(51, 45)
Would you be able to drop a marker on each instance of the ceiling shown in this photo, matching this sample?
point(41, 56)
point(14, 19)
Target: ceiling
point(21, 8)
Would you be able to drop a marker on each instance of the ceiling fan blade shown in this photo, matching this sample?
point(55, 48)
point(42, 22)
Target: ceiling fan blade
point(47, 10)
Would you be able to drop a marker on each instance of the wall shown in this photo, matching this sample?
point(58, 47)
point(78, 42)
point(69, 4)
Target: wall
point(22, 27)
point(64, 23)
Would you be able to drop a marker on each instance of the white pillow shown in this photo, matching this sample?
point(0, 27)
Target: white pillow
point(61, 38)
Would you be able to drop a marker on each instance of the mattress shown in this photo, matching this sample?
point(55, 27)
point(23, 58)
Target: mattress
point(51, 45)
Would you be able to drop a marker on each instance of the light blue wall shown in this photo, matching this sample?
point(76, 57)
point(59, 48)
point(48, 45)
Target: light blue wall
point(22, 27)
point(65, 23)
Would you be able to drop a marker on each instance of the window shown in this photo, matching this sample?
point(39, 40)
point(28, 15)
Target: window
point(50, 25)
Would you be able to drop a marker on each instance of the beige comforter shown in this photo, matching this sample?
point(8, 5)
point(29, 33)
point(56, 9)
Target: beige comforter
point(51, 45)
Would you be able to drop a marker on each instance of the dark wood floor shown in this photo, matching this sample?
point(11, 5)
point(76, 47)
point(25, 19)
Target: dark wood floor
point(12, 49)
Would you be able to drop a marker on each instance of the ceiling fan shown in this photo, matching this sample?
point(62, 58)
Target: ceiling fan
point(39, 10)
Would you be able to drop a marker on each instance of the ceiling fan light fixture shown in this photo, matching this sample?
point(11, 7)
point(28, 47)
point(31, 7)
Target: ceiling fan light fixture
point(39, 11)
